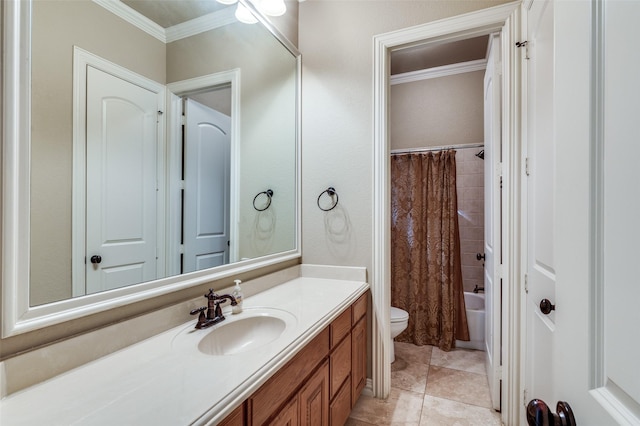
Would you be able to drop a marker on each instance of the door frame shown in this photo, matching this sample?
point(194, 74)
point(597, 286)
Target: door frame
point(81, 60)
point(175, 91)
point(506, 20)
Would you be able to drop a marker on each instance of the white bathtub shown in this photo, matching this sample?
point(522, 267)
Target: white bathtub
point(475, 319)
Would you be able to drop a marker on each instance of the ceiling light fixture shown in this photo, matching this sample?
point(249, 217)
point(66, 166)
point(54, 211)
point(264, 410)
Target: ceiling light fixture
point(268, 7)
point(272, 7)
point(244, 15)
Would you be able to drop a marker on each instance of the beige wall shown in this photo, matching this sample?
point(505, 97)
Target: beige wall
point(336, 41)
point(267, 124)
point(438, 111)
point(58, 26)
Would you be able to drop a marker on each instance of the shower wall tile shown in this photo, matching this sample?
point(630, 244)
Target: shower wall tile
point(470, 188)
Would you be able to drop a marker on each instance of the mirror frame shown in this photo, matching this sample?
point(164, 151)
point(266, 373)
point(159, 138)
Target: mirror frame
point(17, 316)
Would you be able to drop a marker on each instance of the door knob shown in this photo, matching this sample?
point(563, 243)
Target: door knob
point(539, 414)
point(546, 307)
point(95, 259)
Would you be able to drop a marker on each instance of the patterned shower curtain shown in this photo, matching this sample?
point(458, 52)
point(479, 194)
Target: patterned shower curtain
point(426, 270)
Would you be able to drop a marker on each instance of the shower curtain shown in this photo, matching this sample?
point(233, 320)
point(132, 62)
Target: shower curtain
point(426, 271)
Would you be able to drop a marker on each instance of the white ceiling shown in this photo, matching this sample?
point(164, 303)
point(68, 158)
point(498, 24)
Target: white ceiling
point(168, 13)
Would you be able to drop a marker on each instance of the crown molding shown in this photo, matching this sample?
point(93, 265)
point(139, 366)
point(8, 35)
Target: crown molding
point(174, 33)
point(134, 18)
point(435, 72)
point(201, 24)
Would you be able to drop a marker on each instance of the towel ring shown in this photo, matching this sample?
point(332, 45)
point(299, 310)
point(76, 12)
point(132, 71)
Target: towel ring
point(269, 194)
point(330, 191)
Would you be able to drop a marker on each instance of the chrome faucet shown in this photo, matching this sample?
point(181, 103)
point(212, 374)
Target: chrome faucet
point(214, 311)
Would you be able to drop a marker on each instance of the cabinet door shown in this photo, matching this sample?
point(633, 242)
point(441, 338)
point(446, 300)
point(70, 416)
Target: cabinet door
point(314, 399)
point(340, 364)
point(288, 416)
point(341, 405)
point(358, 359)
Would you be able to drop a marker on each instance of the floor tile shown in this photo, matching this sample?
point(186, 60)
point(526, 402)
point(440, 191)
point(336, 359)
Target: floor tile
point(460, 359)
point(461, 386)
point(443, 412)
point(409, 376)
point(411, 353)
point(402, 408)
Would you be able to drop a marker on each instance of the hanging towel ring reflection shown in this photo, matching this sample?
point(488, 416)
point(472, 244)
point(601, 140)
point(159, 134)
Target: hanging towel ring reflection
point(269, 194)
point(330, 191)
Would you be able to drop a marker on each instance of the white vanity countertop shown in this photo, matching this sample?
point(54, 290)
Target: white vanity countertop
point(155, 383)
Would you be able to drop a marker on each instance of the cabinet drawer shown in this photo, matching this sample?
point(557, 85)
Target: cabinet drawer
point(359, 308)
point(341, 406)
point(340, 365)
point(281, 386)
point(340, 327)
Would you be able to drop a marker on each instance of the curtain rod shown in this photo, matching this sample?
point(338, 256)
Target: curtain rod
point(435, 148)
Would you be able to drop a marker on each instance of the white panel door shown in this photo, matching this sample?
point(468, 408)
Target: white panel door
point(540, 186)
point(121, 182)
point(492, 222)
point(583, 98)
point(617, 383)
point(206, 187)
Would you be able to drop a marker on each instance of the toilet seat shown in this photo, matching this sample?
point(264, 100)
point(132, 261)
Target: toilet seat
point(398, 315)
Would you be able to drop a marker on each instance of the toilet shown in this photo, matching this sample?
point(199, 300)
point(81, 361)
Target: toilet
point(399, 322)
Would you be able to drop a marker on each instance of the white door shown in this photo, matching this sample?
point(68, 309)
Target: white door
point(582, 149)
point(492, 220)
point(121, 171)
point(206, 188)
point(540, 183)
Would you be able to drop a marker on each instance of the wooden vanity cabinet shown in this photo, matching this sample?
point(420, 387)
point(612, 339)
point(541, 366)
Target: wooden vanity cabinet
point(320, 385)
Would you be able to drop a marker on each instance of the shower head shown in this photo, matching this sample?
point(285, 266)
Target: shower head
point(480, 155)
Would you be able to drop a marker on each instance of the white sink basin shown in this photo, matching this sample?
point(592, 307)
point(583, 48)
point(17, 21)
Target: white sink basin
point(252, 329)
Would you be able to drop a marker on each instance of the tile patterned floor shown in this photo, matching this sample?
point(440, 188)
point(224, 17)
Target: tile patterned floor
point(430, 387)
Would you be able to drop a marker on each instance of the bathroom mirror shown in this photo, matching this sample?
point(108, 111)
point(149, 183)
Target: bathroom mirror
point(109, 196)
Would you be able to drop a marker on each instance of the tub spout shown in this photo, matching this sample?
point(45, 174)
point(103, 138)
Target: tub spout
point(477, 289)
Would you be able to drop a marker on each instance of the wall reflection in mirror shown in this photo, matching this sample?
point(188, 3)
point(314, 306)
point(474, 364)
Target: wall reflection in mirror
point(145, 161)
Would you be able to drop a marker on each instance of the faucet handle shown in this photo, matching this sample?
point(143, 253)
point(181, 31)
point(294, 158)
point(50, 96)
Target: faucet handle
point(198, 310)
point(202, 319)
point(211, 295)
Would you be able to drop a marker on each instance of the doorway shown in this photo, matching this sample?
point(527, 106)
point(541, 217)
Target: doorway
point(446, 96)
point(504, 20)
point(215, 101)
point(206, 143)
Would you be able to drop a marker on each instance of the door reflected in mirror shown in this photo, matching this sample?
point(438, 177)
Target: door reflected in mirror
point(137, 172)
